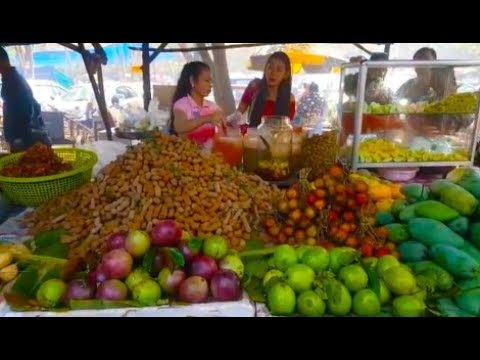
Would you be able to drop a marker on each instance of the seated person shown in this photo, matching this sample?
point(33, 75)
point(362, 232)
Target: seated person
point(271, 95)
point(375, 90)
point(419, 88)
point(192, 115)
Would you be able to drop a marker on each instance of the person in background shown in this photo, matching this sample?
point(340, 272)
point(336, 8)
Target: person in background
point(115, 112)
point(375, 90)
point(192, 115)
point(443, 82)
point(269, 96)
point(419, 88)
point(312, 105)
point(306, 91)
point(22, 116)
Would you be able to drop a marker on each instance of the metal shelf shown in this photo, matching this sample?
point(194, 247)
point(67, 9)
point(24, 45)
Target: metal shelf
point(413, 164)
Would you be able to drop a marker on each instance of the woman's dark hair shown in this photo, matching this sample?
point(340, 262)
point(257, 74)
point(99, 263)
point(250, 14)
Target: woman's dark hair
point(184, 86)
point(282, 104)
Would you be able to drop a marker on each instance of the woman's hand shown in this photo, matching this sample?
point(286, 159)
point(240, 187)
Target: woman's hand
point(218, 118)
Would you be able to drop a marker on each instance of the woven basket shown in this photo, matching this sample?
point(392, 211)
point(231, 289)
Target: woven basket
point(32, 192)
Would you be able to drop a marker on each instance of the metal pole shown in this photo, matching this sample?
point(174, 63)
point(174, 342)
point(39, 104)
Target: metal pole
point(339, 109)
point(357, 130)
point(387, 49)
point(473, 147)
point(417, 64)
point(147, 93)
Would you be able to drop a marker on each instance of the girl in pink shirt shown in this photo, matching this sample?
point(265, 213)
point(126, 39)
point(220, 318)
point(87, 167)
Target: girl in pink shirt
point(194, 117)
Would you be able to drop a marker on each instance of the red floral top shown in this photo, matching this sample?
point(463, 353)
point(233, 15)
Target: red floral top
point(269, 109)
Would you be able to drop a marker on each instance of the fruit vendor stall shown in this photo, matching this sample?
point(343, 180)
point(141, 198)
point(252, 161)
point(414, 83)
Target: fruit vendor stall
point(167, 229)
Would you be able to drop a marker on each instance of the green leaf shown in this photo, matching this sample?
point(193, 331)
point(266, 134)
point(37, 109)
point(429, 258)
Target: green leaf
point(149, 260)
point(31, 278)
point(195, 245)
point(256, 268)
point(255, 291)
point(48, 238)
point(40, 260)
point(386, 311)
point(25, 283)
point(58, 250)
point(257, 254)
point(177, 257)
point(254, 245)
point(373, 280)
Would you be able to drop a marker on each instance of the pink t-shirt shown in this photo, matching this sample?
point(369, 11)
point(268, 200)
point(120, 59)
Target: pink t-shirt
point(206, 132)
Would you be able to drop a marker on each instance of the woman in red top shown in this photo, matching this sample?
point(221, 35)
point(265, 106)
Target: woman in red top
point(271, 95)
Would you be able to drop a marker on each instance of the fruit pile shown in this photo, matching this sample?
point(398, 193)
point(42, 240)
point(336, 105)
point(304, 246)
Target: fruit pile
point(141, 270)
point(382, 150)
point(39, 160)
point(437, 232)
point(313, 282)
point(319, 153)
point(382, 192)
point(334, 210)
point(9, 255)
point(464, 103)
point(163, 178)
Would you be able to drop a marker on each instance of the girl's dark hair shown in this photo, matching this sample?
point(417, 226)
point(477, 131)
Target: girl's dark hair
point(184, 87)
point(282, 104)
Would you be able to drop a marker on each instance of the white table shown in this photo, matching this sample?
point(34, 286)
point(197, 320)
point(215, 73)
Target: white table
point(242, 308)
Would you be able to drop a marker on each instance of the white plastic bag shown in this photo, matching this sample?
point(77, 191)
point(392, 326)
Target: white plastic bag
point(107, 151)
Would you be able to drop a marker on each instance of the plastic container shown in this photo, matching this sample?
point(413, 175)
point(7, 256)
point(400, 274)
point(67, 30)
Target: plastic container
point(399, 174)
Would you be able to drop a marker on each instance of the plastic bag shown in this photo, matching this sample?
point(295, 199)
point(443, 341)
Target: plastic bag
point(107, 151)
point(158, 118)
point(236, 119)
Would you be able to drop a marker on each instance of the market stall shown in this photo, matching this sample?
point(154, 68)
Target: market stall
point(169, 229)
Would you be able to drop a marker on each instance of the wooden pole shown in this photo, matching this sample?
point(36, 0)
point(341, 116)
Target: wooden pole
point(147, 92)
point(99, 96)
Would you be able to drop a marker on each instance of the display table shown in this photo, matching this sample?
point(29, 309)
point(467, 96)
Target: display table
point(243, 308)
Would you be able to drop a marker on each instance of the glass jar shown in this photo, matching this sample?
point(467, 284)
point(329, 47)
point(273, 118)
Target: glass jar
point(250, 144)
point(298, 137)
point(274, 148)
point(230, 146)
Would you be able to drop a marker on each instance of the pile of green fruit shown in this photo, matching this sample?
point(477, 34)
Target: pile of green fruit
point(437, 232)
point(313, 282)
point(464, 103)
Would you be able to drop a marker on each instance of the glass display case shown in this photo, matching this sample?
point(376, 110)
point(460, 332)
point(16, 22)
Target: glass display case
point(409, 114)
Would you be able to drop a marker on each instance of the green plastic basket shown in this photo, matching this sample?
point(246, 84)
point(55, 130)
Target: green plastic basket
point(32, 192)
